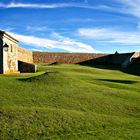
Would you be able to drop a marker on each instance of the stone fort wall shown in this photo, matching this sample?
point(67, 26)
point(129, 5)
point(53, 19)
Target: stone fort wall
point(123, 59)
point(63, 58)
point(25, 55)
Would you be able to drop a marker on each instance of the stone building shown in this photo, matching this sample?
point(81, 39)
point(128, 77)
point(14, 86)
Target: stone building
point(14, 59)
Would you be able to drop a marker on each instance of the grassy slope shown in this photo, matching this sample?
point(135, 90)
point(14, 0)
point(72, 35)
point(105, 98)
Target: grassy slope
point(70, 102)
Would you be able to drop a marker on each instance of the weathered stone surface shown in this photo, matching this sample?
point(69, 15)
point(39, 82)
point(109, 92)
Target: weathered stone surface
point(25, 55)
point(63, 58)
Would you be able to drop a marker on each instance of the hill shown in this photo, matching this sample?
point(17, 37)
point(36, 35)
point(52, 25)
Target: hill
point(70, 102)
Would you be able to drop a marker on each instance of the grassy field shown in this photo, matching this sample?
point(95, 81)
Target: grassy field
point(70, 102)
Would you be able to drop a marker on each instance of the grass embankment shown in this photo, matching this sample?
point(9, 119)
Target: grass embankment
point(70, 102)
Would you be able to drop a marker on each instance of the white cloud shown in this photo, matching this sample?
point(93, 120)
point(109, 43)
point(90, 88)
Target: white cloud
point(110, 36)
point(133, 6)
point(129, 7)
point(36, 29)
point(122, 6)
point(31, 5)
point(59, 42)
point(37, 50)
point(55, 5)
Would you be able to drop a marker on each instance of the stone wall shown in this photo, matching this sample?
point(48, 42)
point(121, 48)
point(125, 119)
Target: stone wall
point(63, 58)
point(25, 55)
point(123, 59)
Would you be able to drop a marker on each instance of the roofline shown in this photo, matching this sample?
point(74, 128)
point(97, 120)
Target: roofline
point(3, 32)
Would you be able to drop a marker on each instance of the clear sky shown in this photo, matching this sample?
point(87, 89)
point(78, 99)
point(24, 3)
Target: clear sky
point(73, 25)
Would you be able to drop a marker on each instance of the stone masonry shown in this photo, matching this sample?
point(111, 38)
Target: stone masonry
point(11, 53)
point(63, 58)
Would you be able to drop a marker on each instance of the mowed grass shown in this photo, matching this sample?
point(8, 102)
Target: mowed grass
point(70, 102)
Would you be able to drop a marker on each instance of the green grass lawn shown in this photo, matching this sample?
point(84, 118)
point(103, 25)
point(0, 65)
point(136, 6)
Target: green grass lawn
point(70, 102)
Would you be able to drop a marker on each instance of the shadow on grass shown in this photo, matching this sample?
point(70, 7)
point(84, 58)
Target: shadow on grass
point(38, 78)
point(118, 81)
point(131, 69)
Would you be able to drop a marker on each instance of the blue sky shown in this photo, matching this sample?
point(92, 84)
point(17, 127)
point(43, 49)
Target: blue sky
point(73, 25)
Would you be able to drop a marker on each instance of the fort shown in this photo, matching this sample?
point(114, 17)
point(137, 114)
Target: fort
point(14, 59)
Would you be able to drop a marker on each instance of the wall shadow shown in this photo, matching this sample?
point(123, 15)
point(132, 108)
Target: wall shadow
point(38, 78)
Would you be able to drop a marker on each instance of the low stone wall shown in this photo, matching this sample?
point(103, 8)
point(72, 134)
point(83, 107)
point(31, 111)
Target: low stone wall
point(63, 58)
